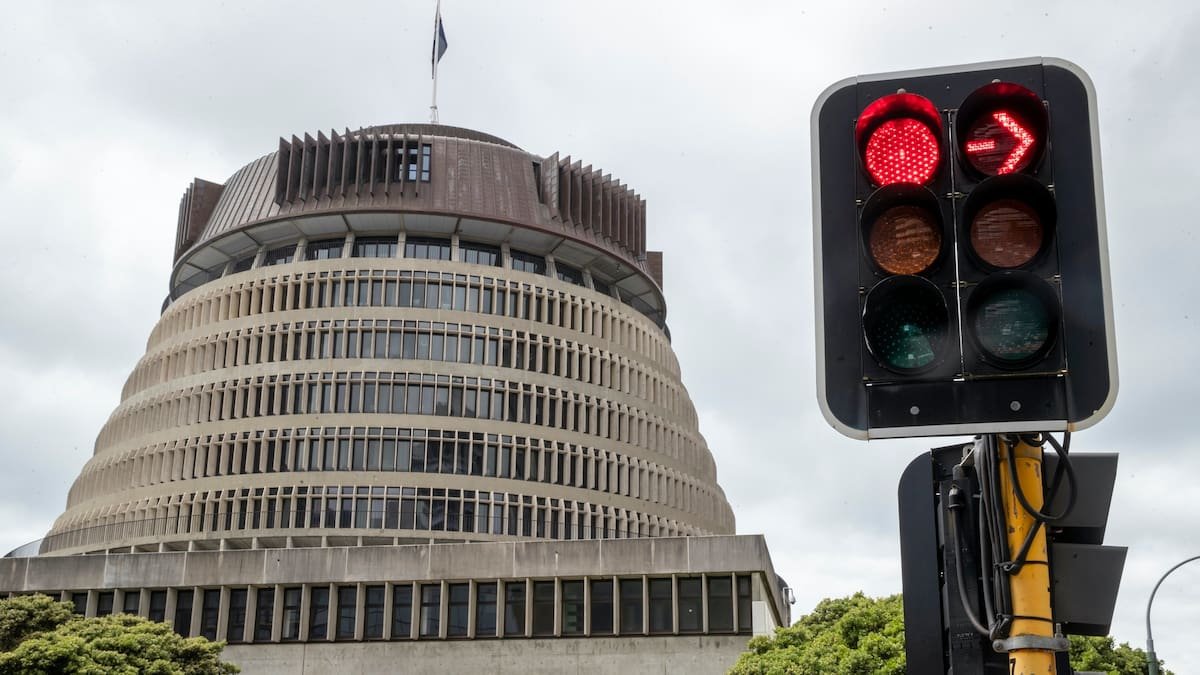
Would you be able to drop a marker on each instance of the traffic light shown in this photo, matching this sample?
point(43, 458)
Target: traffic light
point(961, 263)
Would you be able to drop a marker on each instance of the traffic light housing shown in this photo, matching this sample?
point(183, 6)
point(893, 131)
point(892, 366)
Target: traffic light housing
point(961, 261)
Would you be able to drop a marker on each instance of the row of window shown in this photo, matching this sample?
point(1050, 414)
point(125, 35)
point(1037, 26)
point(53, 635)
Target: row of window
point(373, 393)
point(376, 507)
point(411, 340)
point(420, 248)
point(404, 449)
point(605, 606)
point(420, 289)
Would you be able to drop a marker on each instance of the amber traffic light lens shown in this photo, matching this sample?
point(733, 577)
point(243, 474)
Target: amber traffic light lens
point(1007, 234)
point(905, 239)
point(906, 324)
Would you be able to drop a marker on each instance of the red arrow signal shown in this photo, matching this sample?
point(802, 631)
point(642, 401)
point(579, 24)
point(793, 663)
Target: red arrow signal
point(1000, 144)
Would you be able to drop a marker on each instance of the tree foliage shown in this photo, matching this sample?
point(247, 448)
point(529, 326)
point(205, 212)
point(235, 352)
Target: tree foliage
point(864, 636)
point(54, 642)
point(847, 636)
point(26, 615)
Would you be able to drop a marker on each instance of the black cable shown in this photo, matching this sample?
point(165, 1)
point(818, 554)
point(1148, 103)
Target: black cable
point(1064, 464)
point(954, 505)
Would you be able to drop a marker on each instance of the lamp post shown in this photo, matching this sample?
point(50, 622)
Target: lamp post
point(1150, 655)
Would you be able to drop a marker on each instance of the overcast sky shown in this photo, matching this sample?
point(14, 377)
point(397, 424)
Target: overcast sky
point(109, 111)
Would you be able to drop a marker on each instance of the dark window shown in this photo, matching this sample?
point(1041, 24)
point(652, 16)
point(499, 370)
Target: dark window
point(264, 614)
point(158, 606)
point(373, 613)
point(347, 599)
point(458, 610)
point(375, 247)
point(243, 264)
point(183, 612)
point(431, 605)
point(104, 604)
point(569, 274)
point(527, 262)
point(485, 610)
point(602, 606)
point(291, 613)
point(235, 625)
point(210, 611)
point(631, 606)
point(691, 591)
point(745, 617)
point(279, 256)
point(478, 254)
point(130, 603)
point(402, 612)
point(720, 605)
point(318, 614)
point(572, 608)
point(601, 286)
point(514, 608)
point(427, 249)
point(80, 602)
point(543, 608)
point(660, 606)
point(324, 250)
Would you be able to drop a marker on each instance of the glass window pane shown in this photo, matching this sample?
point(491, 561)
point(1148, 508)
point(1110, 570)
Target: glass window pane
point(318, 614)
point(347, 607)
point(431, 601)
point(373, 613)
point(514, 608)
point(602, 606)
point(183, 612)
point(720, 604)
point(543, 608)
point(235, 630)
point(745, 615)
point(458, 611)
point(264, 613)
point(690, 604)
point(401, 612)
point(209, 613)
point(291, 613)
point(631, 606)
point(485, 610)
point(660, 606)
point(572, 608)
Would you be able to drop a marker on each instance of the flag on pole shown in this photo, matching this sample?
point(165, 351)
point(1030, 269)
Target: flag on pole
point(439, 40)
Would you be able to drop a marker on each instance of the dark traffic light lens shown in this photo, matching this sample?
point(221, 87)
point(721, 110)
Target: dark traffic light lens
point(902, 229)
point(1001, 129)
point(905, 324)
point(1010, 222)
point(899, 139)
point(905, 240)
point(1013, 318)
point(1007, 234)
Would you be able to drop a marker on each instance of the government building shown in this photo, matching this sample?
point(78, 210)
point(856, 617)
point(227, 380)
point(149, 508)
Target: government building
point(411, 406)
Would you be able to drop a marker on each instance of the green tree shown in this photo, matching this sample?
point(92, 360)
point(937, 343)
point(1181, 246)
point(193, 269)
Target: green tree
point(125, 644)
point(847, 636)
point(26, 615)
point(864, 636)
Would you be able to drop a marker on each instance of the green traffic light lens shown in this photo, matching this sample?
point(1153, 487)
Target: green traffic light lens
point(1013, 318)
point(905, 324)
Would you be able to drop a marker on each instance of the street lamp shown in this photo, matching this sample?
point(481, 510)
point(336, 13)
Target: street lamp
point(1150, 655)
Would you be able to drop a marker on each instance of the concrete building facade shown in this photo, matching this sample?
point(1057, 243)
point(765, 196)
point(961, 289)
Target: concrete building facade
point(399, 371)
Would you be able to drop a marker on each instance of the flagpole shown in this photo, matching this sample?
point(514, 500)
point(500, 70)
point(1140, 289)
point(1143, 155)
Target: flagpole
point(437, 18)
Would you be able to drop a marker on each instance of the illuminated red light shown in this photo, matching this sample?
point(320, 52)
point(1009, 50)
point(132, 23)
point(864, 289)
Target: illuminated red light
point(999, 143)
point(903, 150)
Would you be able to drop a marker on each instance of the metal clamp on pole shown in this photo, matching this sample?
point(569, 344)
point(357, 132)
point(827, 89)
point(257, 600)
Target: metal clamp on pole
point(1033, 640)
point(1058, 643)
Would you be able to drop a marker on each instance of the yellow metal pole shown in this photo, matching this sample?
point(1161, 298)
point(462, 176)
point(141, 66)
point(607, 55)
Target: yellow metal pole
point(1030, 586)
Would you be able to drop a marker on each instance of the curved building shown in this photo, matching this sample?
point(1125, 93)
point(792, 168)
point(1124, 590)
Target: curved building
point(382, 342)
point(409, 332)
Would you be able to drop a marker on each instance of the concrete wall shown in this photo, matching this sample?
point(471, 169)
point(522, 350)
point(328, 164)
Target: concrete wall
point(694, 655)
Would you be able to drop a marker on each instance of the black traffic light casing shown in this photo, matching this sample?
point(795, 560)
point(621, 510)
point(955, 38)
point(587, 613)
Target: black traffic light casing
point(1014, 347)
